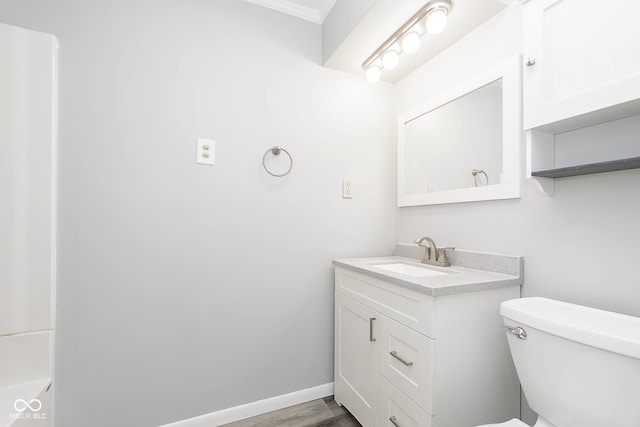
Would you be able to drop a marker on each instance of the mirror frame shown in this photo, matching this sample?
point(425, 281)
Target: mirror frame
point(510, 182)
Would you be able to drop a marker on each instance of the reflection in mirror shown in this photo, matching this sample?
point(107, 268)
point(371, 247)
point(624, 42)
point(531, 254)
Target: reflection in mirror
point(464, 144)
point(471, 124)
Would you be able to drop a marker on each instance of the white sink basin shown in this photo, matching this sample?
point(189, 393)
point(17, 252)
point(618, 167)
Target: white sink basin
point(409, 269)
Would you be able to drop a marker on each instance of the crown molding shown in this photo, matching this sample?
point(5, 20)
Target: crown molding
point(296, 9)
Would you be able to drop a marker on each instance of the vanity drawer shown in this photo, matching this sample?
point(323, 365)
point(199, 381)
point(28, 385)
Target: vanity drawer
point(397, 408)
point(407, 361)
point(410, 308)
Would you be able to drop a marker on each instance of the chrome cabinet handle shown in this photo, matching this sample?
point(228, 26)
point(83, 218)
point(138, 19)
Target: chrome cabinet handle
point(404, 362)
point(371, 337)
point(531, 62)
point(394, 421)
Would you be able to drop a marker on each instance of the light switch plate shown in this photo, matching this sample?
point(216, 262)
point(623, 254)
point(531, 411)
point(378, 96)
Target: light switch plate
point(206, 152)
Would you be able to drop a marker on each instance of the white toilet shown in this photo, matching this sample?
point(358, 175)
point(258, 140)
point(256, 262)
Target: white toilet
point(578, 366)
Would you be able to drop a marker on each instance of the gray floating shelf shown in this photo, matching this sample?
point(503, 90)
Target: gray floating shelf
point(610, 166)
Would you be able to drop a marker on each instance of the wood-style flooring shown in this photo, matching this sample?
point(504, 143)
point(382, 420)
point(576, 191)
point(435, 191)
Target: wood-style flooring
point(317, 413)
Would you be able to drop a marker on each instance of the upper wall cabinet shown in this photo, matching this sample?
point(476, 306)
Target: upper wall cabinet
point(581, 87)
point(582, 62)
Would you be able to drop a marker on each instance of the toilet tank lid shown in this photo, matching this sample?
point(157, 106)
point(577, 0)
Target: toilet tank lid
point(606, 330)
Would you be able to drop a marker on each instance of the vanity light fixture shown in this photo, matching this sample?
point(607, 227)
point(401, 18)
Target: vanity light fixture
point(390, 59)
point(432, 19)
point(411, 42)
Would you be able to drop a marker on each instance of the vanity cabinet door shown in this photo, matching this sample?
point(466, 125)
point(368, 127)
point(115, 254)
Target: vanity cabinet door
point(580, 56)
point(357, 359)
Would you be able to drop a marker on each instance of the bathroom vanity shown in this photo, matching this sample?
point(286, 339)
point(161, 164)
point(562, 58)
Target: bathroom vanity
point(419, 345)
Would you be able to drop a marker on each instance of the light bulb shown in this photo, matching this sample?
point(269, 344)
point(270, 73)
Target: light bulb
point(390, 59)
point(436, 21)
point(373, 73)
point(410, 42)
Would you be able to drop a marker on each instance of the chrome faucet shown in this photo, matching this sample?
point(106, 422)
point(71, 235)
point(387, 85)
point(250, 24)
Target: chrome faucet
point(432, 254)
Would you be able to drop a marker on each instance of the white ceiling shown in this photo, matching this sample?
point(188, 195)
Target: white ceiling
point(311, 10)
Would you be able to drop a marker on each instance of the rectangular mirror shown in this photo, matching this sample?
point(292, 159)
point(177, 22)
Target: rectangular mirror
point(463, 145)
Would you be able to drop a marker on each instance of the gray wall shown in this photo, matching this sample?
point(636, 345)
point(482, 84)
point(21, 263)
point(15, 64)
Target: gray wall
point(187, 289)
point(581, 245)
point(181, 287)
point(341, 20)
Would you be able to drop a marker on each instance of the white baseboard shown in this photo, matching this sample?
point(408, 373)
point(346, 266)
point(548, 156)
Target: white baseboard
point(256, 408)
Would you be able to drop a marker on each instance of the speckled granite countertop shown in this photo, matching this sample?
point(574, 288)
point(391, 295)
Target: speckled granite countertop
point(470, 271)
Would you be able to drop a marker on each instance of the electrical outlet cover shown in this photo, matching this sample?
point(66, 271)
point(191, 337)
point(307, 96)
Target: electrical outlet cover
point(206, 152)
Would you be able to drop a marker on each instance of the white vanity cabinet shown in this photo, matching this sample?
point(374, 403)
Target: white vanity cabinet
point(582, 62)
point(406, 358)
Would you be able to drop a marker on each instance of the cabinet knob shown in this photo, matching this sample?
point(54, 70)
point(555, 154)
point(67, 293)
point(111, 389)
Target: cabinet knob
point(531, 62)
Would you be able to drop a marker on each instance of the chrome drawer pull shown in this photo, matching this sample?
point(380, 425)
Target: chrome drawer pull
point(394, 421)
point(371, 338)
point(404, 362)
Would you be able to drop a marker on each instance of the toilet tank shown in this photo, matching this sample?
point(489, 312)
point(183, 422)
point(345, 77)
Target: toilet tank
point(578, 366)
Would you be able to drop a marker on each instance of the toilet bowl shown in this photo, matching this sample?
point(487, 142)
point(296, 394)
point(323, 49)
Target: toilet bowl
point(578, 366)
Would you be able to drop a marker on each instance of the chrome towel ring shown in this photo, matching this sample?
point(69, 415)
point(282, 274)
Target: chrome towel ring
point(475, 173)
point(276, 152)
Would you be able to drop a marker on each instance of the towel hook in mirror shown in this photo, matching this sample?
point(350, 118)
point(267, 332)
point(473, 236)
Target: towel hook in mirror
point(475, 173)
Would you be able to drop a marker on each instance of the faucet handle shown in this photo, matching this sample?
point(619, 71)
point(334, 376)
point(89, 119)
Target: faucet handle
point(442, 255)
